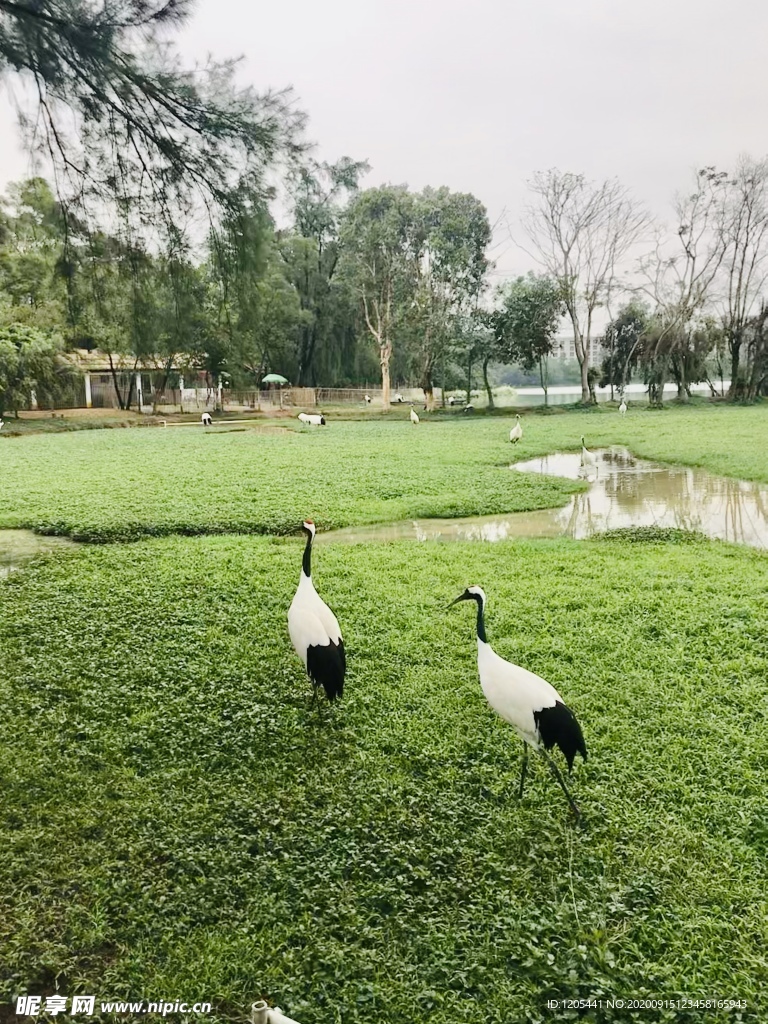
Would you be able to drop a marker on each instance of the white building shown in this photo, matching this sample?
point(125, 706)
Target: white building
point(564, 349)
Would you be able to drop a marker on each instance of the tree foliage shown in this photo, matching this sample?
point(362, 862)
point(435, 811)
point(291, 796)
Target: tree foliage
point(525, 322)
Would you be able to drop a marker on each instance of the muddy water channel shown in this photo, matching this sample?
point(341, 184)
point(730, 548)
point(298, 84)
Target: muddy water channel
point(622, 491)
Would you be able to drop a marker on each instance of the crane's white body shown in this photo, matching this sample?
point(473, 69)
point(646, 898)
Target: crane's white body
point(312, 420)
point(623, 406)
point(414, 417)
point(206, 420)
point(311, 623)
point(514, 693)
point(367, 399)
point(516, 432)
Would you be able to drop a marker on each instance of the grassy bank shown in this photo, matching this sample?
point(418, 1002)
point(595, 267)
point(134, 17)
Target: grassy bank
point(103, 485)
point(176, 818)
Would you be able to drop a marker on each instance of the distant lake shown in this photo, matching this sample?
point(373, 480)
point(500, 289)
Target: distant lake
point(566, 394)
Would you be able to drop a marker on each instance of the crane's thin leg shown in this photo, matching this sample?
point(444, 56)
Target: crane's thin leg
point(559, 777)
point(314, 695)
point(524, 770)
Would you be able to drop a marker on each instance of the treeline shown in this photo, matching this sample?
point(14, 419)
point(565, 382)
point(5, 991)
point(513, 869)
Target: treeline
point(156, 242)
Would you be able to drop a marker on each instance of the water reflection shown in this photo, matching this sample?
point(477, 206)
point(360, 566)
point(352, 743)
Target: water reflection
point(18, 546)
point(623, 491)
point(627, 491)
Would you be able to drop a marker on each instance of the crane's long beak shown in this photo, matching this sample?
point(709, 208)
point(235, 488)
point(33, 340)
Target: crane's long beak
point(461, 597)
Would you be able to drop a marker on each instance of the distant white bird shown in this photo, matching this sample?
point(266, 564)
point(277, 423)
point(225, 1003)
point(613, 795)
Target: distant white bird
point(414, 416)
point(314, 631)
point(206, 420)
point(451, 400)
point(312, 421)
point(398, 397)
point(516, 432)
point(2, 423)
point(367, 399)
point(623, 406)
point(469, 408)
point(530, 704)
point(587, 457)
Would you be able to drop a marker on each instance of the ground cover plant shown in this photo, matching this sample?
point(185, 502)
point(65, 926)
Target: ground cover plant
point(122, 484)
point(177, 818)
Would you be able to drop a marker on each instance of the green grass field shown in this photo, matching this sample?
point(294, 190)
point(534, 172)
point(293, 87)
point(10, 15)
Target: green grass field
point(122, 484)
point(177, 821)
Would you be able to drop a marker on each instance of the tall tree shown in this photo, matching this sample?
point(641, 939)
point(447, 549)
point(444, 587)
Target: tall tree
point(375, 242)
point(445, 271)
point(621, 342)
point(526, 322)
point(320, 192)
point(580, 232)
point(744, 268)
point(679, 274)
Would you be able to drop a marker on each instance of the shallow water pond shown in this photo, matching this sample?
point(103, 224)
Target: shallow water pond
point(18, 546)
point(623, 491)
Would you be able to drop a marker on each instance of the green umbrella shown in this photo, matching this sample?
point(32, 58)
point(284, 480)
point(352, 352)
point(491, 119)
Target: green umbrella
point(274, 378)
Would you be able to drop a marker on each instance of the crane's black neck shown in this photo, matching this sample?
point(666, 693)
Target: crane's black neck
point(480, 620)
point(305, 564)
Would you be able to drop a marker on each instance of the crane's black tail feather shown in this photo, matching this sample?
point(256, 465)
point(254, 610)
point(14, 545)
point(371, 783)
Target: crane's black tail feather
point(327, 666)
point(558, 726)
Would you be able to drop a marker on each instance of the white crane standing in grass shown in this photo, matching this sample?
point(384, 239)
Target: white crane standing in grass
point(206, 420)
point(516, 432)
point(623, 406)
point(532, 706)
point(414, 416)
point(311, 420)
point(2, 424)
point(314, 631)
point(587, 458)
point(367, 399)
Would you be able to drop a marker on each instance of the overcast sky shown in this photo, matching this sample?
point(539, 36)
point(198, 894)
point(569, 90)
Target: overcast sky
point(479, 94)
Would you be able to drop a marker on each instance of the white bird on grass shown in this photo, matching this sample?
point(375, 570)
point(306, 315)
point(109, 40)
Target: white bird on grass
point(414, 416)
point(314, 631)
point(311, 420)
point(530, 704)
point(206, 420)
point(516, 432)
point(623, 406)
point(367, 399)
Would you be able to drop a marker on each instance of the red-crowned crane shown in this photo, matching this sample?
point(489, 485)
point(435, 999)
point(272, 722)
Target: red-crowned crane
point(314, 631)
point(414, 416)
point(532, 706)
point(623, 406)
point(206, 420)
point(516, 432)
point(312, 420)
